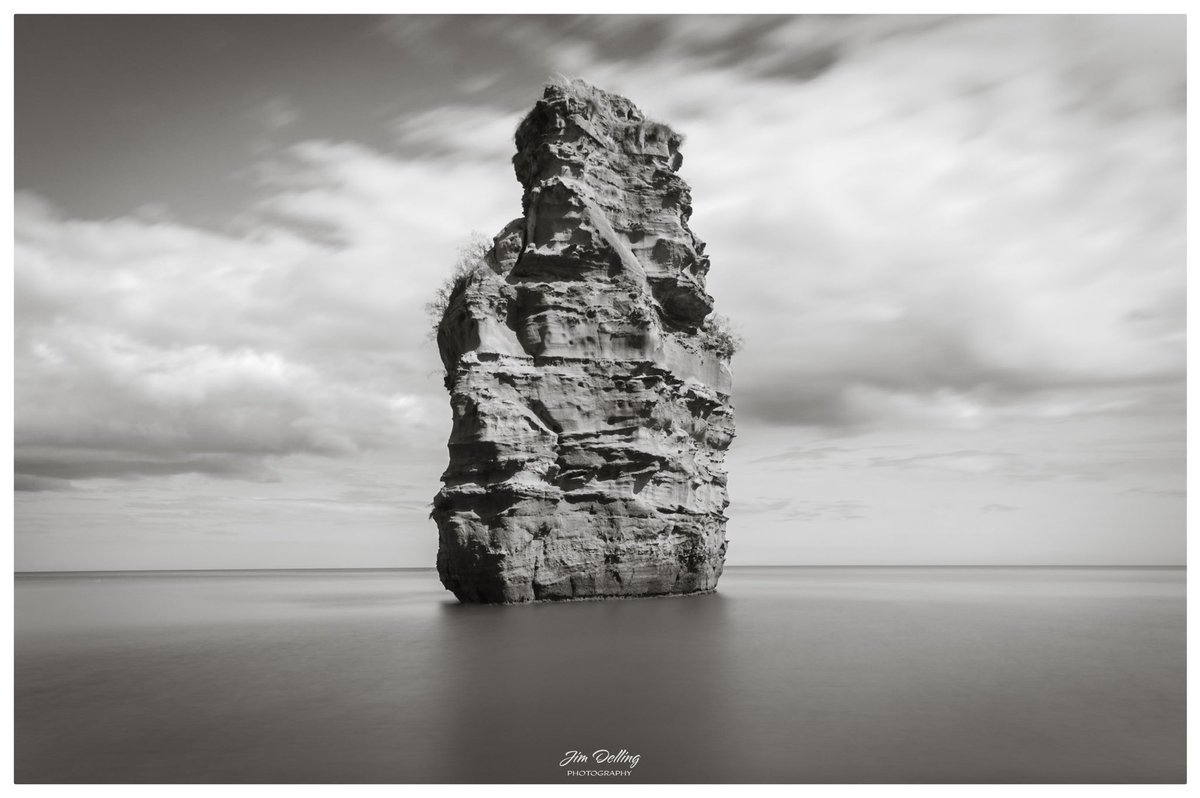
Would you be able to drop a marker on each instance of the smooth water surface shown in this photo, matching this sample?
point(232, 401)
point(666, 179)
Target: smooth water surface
point(784, 675)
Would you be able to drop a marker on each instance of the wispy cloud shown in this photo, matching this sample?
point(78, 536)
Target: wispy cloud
point(459, 132)
point(961, 239)
point(275, 114)
point(840, 510)
point(943, 219)
point(802, 454)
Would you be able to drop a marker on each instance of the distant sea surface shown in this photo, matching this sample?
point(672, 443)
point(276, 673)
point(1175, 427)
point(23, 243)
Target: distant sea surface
point(784, 675)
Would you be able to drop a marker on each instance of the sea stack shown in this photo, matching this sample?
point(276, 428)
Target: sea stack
point(589, 384)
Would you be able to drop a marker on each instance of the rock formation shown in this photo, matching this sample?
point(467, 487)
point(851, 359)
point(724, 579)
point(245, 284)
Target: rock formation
point(590, 396)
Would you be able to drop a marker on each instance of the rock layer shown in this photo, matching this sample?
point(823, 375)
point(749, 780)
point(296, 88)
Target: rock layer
point(591, 400)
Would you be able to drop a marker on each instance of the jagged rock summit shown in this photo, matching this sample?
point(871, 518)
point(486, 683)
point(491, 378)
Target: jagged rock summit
point(591, 399)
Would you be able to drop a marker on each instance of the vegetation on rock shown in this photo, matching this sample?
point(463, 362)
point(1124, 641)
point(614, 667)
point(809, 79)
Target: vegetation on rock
point(470, 260)
point(718, 335)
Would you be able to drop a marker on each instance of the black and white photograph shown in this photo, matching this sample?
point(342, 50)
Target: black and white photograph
point(599, 399)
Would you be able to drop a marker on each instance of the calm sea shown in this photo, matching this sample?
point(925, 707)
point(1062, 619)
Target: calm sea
point(785, 675)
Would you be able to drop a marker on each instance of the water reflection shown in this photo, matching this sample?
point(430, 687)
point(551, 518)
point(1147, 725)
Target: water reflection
point(800, 675)
point(535, 682)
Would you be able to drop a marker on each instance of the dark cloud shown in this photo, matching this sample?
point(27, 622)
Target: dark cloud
point(804, 65)
point(94, 97)
point(56, 470)
point(34, 484)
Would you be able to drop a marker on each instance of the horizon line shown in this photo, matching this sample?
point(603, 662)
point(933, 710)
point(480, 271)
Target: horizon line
point(434, 569)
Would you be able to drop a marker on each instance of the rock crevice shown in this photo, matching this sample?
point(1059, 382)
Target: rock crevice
point(591, 413)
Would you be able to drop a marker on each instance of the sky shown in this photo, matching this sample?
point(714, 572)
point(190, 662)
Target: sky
point(954, 246)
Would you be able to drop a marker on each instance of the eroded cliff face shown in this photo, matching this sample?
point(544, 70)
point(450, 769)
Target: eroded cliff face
point(591, 405)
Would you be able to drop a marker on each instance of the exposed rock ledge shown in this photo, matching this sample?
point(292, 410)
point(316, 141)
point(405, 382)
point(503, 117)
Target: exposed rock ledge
point(591, 405)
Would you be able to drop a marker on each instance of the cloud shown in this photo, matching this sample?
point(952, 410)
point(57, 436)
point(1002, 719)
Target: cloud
point(959, 239)
point(459, 131)
point(931, 220)
point(147, 347)
point(940, 227)
point(1081, 461)
point(54, 468)
point(842, 510)
point(760, 505)
point(801, 454)
point(33, 484)
point(1168, 493)
point(275, 114)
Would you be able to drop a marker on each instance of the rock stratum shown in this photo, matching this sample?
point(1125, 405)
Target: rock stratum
point(591, 399)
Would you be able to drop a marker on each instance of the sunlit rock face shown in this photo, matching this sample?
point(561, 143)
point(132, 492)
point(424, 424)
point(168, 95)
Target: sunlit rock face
point(591, 407)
